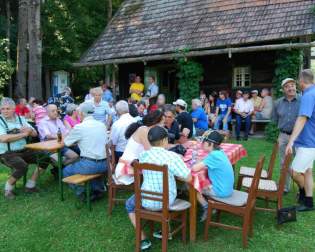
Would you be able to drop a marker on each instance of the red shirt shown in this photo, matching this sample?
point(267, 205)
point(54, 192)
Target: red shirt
point(21, 110)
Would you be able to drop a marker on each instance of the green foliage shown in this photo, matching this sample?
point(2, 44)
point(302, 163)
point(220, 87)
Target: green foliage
point(6, 68)
point(271, 132)
point(288, 64)
point(189, 74)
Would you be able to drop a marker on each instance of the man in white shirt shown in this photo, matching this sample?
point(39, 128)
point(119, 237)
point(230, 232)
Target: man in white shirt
point(119, 128)
point(91, 137)
point(153, 90)
point(244, 108)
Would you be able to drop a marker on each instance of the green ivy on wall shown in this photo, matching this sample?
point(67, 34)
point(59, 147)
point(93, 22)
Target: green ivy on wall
point(190, 74)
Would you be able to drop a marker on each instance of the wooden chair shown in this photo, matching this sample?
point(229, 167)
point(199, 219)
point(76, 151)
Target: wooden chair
point(112, 183)
point(268, 189)
point(176, 212)
point(84, 180)
point(250, 171)
point(240, 203)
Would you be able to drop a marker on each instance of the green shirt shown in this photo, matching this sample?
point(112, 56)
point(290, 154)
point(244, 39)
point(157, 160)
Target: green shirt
point(14, 124)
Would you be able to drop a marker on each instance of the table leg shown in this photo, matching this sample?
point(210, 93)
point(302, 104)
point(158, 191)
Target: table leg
point(60, 174)
point(192, 213)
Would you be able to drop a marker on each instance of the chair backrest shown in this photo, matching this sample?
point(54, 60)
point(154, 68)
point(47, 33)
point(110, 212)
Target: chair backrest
point(251, 200)
point(110, 155)
point(272, 160)
point(149, 195)
point(284, 173)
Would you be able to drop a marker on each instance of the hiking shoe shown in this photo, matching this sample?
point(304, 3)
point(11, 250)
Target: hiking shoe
point(31, 190)
point(303, 208)
point(158, 235)
point(145, 244)
point(10, 195)
point(205, 213)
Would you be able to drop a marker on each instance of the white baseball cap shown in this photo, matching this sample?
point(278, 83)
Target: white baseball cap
point(255, 91)
point(180, 102)
point(285, 81)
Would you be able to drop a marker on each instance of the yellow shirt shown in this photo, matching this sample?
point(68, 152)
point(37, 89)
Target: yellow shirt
point(257, 101)
point(138, 87)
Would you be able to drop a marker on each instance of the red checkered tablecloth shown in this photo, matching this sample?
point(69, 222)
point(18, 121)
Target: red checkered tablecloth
point(200, 179)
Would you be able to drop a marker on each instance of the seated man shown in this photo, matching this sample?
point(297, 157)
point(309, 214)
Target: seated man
point(220, 171)
point(13, 133)
point(185, 121)
point(119, 128)
point(170, 124)
point(91, 137)
point(153, 181)
point(48, 129)
point(243, 109)
point(265, 110)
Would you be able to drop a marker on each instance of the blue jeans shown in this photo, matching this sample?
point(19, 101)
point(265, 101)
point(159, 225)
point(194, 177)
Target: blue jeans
point(84, 166)
point(239, 120)
point(218, 122)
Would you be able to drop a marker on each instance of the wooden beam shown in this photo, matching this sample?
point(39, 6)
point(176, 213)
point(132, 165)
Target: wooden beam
point(170, 56)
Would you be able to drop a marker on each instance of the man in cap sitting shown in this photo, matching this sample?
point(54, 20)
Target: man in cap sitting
point(184, 119)
point(220, 171)
point(91, 137)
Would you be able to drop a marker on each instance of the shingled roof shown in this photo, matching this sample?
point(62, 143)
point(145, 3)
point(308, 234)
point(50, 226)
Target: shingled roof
point(155, 27)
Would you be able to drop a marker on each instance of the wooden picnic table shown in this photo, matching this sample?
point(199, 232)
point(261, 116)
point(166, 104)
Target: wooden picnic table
point(51, 146)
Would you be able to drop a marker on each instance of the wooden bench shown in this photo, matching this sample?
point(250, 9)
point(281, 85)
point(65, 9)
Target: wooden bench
point(84, 180)
point(254, 121)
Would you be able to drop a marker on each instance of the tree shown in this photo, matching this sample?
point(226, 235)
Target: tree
point(35, 51)
point(21, 60)
point(8, 35)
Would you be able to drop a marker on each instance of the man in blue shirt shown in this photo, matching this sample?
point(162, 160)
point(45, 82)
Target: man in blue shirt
point(199, 117)
point(303, 139)
point(223, 111)
point(220, 171)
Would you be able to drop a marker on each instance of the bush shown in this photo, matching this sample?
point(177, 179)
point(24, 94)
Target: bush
point(271, 132)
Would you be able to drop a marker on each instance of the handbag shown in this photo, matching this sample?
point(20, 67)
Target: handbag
point(287, 214)
point(179, 149)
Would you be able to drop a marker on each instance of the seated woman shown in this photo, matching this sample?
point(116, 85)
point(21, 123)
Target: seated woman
point(199, 117)
point(220, 171)
point(223, 111)
point(210, 107)
point(170, 124)
point(72, 117)
point(137, 136)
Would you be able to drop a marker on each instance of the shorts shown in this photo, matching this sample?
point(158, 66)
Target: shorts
point(304, 159)
point(131, 204)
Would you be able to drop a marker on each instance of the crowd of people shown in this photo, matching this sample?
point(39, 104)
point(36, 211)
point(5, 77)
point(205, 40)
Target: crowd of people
point(144, 126)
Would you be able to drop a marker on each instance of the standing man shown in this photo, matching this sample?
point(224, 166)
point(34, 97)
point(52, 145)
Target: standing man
point(303, 139)
point(153, 90)
point(285, 112)
point(244, 109)
point(91, 137)
point(14, 130)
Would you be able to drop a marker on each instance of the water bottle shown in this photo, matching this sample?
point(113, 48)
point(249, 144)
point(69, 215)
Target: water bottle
point(59, 136)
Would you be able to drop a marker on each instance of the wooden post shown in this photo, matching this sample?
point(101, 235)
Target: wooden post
point(8, 35)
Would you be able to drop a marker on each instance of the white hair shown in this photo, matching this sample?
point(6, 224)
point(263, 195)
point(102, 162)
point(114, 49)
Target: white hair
point(122, 107)
point(7, 101)
point(71, 108)
point(197, 102)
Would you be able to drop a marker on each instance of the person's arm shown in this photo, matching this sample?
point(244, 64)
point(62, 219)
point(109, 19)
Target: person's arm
point(298, 127)
point(114, 134)
point(275, 116)
point(73, 137)
point(198, 167)
point(179, 168)
point(227, 114)
point(67, 125)
point(7, 138)
point(262, 105)
point(144, 138)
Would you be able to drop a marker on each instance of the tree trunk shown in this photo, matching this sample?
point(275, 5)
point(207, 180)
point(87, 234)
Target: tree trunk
point(35, 51)
point(47, 84)
point(8, 12)
point(109, 10)
point(109, 17)
point(21, 61)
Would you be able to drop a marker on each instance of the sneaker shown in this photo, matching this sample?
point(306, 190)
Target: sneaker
point(10, 195)
point(303, 208)
point(145, 244)
point(158, 235)
point(31, 190)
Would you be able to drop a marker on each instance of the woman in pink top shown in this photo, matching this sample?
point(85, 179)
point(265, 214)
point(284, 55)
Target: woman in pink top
point(72, 118)
point(38, 111)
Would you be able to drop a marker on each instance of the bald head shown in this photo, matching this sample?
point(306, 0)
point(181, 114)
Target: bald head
point(52, 111)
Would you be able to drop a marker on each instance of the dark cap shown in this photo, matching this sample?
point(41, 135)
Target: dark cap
point(157, 133)
point(214, 137)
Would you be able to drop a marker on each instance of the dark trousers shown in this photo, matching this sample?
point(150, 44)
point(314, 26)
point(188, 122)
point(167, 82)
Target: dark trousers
point(118, 154)
point(19, 161)
point(239, 120)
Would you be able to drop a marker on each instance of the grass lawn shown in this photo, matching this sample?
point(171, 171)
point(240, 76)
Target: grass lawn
point(41, 222)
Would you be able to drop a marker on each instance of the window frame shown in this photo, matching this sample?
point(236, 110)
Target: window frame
point(243, 76)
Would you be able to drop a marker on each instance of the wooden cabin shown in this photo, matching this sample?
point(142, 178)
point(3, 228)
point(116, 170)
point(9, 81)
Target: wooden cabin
point(236, 41)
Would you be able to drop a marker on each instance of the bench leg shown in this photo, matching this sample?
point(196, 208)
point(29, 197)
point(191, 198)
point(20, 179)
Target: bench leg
point(24, 179)
point(88, 198)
